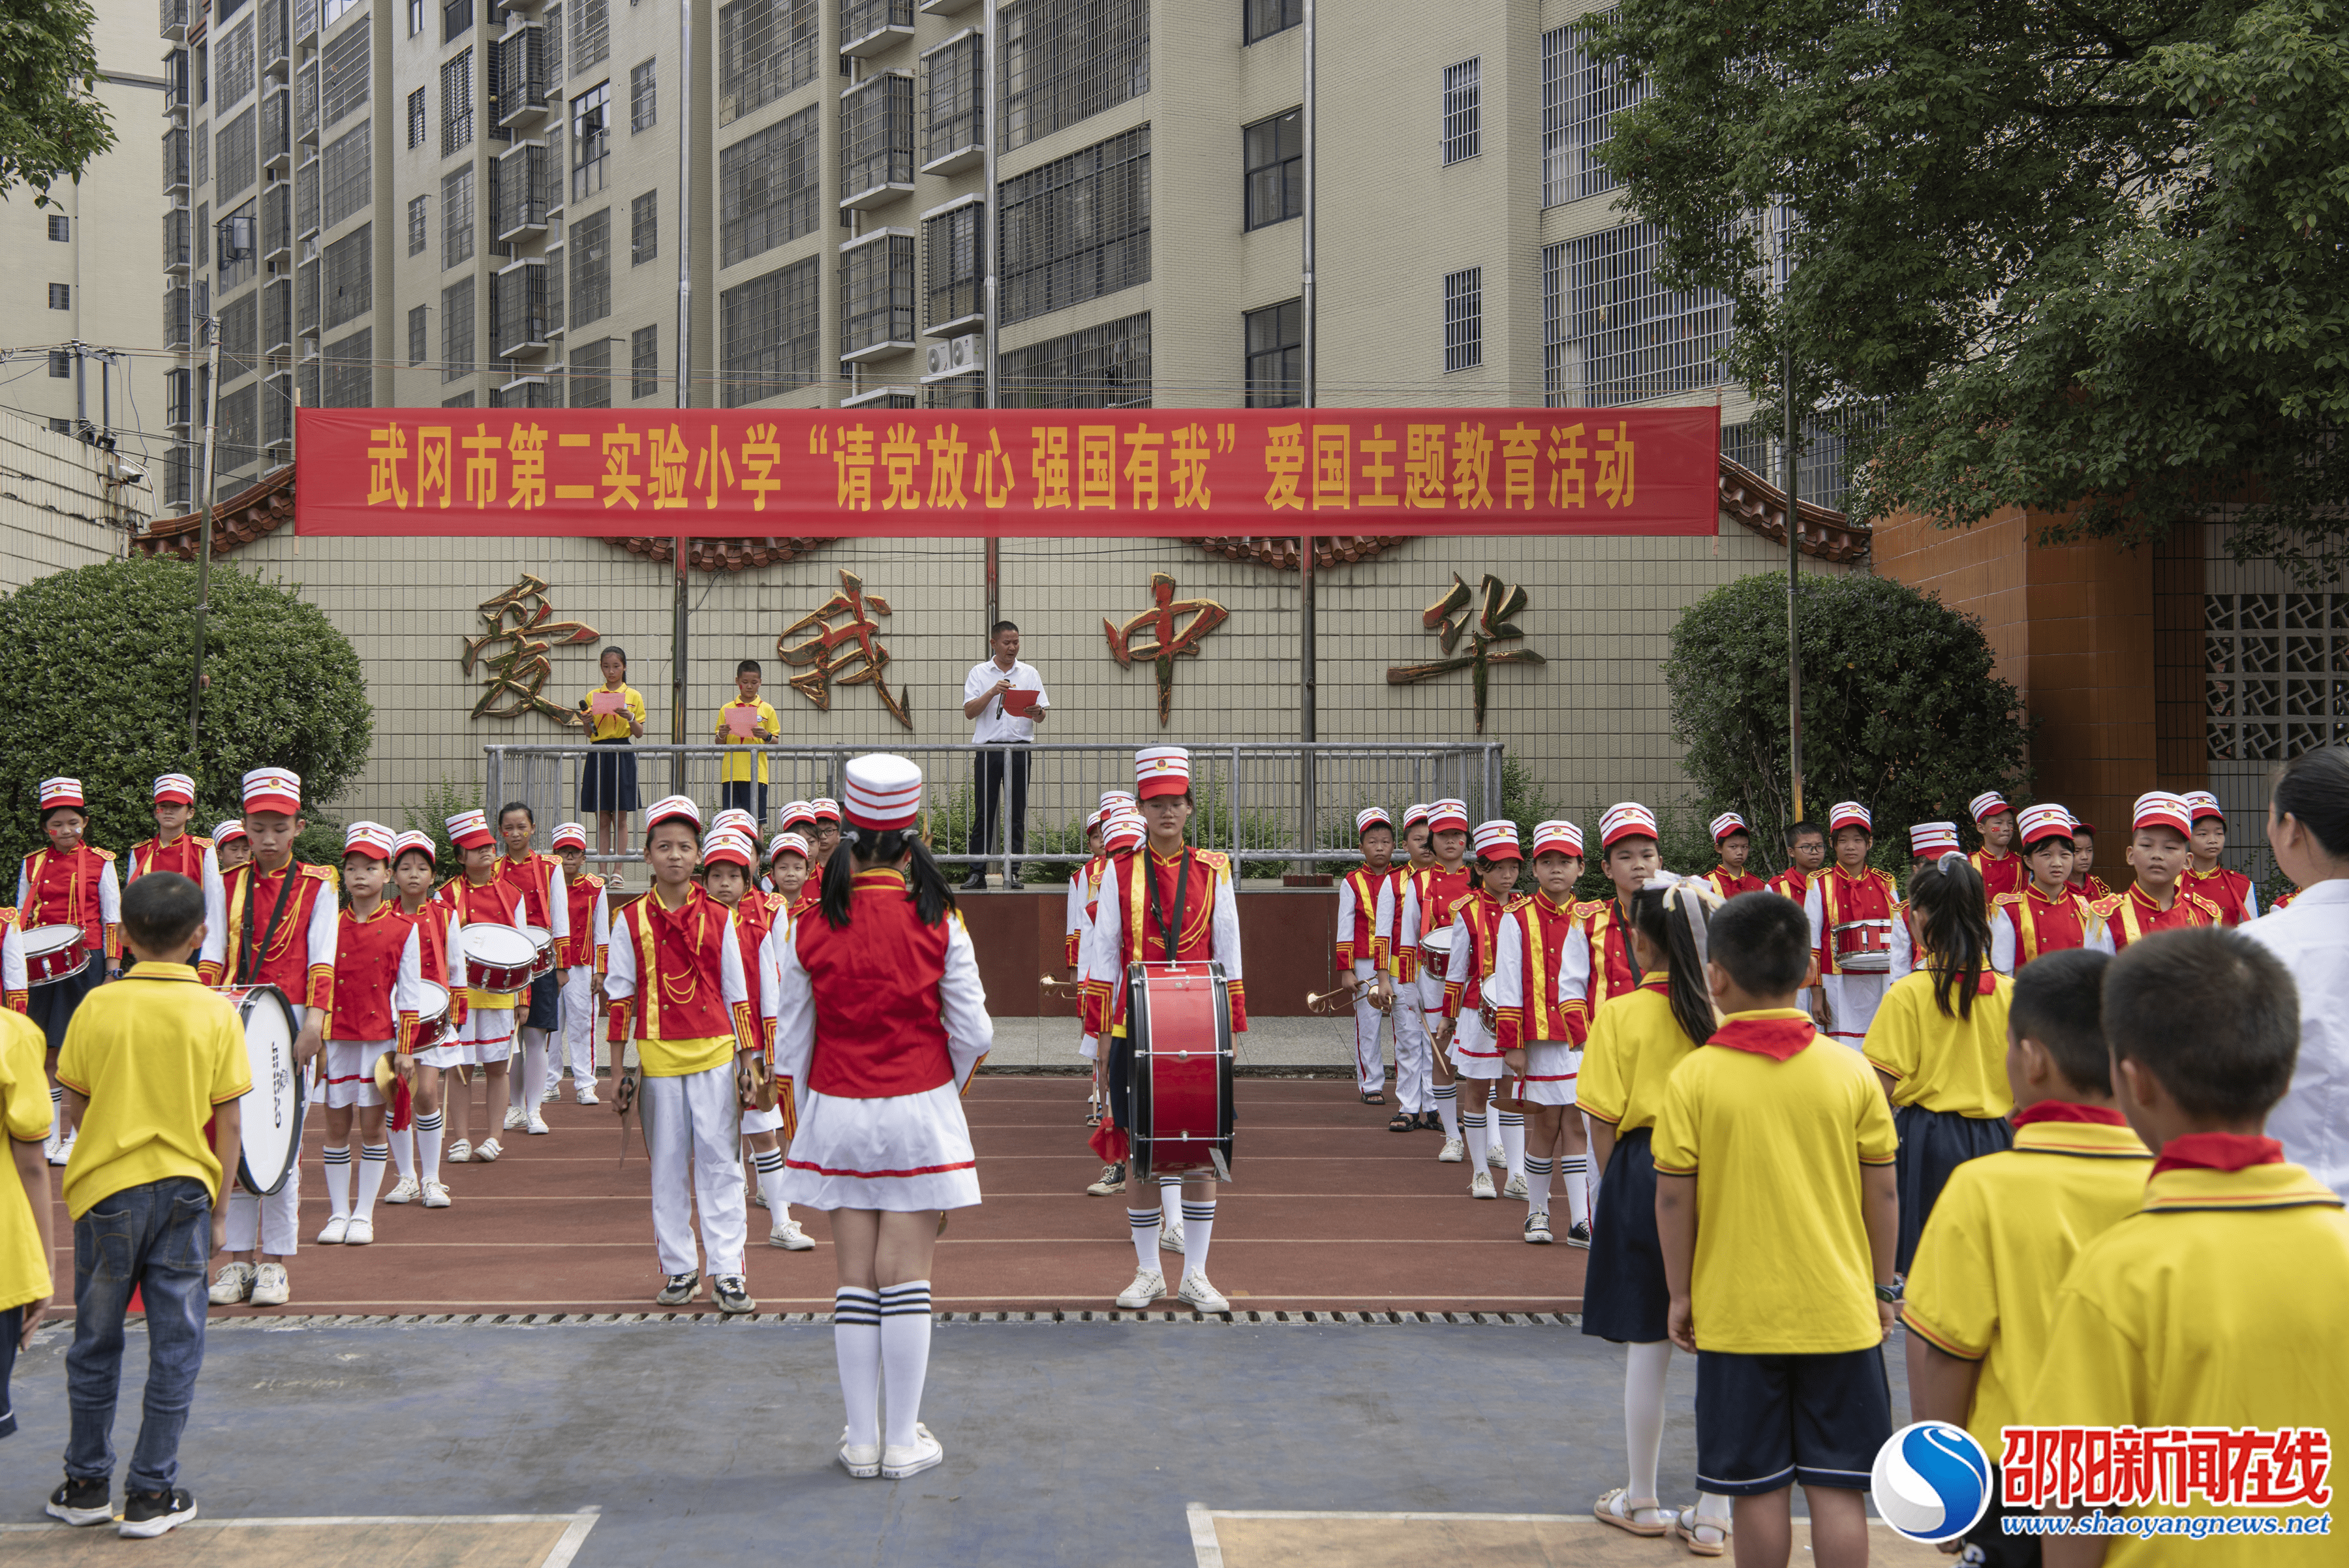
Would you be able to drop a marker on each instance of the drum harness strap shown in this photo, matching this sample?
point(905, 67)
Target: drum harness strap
point(1173, 933)
point(248, 960)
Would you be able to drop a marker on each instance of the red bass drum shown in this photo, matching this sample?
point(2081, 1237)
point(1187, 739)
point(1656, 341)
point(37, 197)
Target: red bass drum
point(1179, 1104)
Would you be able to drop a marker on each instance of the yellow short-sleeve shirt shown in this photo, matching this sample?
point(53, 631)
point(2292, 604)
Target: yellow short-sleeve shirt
point(1783, 1266)
point(2217, 1304)
point(736, 770)
point(2001, 1238)
point(1633, 1047)
point(1939, 1063)
point(25, 1268)
point(154, 1051)
point(614, 726)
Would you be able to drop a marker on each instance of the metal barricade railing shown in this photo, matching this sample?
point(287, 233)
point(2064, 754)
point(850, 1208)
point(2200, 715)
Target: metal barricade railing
point(1268, 803)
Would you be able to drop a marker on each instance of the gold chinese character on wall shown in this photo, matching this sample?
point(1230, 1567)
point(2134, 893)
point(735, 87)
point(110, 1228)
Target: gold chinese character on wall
point(1161, 634)
point(843, 644)
point(1494, 622)
point(513, 652)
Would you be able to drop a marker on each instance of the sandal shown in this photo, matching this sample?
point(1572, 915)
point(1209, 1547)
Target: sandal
point(1686, 1526)
point(1375, 1098)
point(1402, 1121)
point(1615, 1508)
point(1429, 1121)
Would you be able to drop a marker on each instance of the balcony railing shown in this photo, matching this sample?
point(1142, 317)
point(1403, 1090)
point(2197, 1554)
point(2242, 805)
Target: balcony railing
point(175, 159)
point(518, 309)
point(277, 318)
point(175, 317)
point(277, 130)
point(178, 226)
point(519, 186)
point(868, 27)
point(522, 75)
point(175, 19)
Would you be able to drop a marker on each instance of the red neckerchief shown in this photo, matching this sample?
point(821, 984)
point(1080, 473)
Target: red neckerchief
point(1776, 1038)
point(1984, 983)
point(2218, 1151)
point(1658, 982)
point(2067, 1111)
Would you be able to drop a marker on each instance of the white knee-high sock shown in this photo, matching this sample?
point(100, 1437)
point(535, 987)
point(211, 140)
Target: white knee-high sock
point(1143, 1222)
point(57, 1112)
point(1472, 1128)
point(770, 1163)
point(1170, 1197)
point(856, 1345)
point(1447, 1108)
point(403, 1150)
point(1643, 1413)
point(526, 1074)
point(428, 1144)
point(338, 1180)
point(373, 1157)
point(1198, 1228)
point(905, 1355)
point(1537, 1170)
point(1575, 1170)
point(1513, 1140)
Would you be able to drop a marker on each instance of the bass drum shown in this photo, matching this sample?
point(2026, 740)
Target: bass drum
point(271, 1111)
point(1179, 1090)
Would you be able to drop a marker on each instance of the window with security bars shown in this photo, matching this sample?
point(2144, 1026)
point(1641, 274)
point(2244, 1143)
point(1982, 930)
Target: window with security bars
point(236, 442)
point(60, 364)
point(520, 181)
point(350, 372)
point(771, 331)
point(766, 187)
point(417, 317)
point(1823, 471)
point(237, 270)
point(277, 126)
point(417, 130)
point(350, 282)
point(1580, 96)
point(350, 170)
point(1463, 113)
point(277, 410)
point(456, 20)
point(457, 103)
point(2275, 675)
point(1611, 335)
point(518, 308)
point(591, 36)
point(457, 330)
point(1265, 17)
point(860, 19)
point(644, 362)
point(239, 324)
point(203, 234)
point(457, 217)
point(591, 141)
point(232, 64)
point(343, 75)
point(876, 293)
point(416, 208)
point(462, 401)
point(644, 99)
point(1064, 60)
point(555, 68)
point(305, 102)
point(1104, 367)
point(1273, 155)
point(238, 160)
point(554, 280)
point(590, 243)
point(306, 295)
point(950, 245)
point(765, 48)
point(591, 374)
point(1464, 319)
point(1076, 228)
point(276, 220)
point(962, 392)
point(644, 228)
point(954, 89)
point(876, 135)
point(1276, 355)
point(305, 198)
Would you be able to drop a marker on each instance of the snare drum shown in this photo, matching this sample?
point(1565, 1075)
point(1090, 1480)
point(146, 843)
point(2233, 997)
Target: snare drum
point(1179, 1089)
point(1864, 947)
point(498, 958)
point(270, 1114)
point(433, 1026)
point(1435, 953)
point(53, 953)
point(542, 964)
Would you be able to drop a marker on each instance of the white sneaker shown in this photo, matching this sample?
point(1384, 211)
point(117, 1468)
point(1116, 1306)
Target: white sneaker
point(1496, 1157)
point(1148, 1285)
point(269, 1285)
point(404, 1190)
point(1538, 1228)
point(537, 1125)
point(547, 1098)
point(1516, 1189)
point(585, 1098)
point(336, 1230)
point(232, 1284)
point(788, 1235)
point(54, 1151)
point(898, 1463)
point(1482, 1185)
point(516, 1118)
point(1453, 1151)
point(859, 1460)
point(436, 1195)
point(362, 1232)
point(1170, 1235)
point(1201, 1294)
point(459, 1153)
point(488, 1150)
point(758, 1198)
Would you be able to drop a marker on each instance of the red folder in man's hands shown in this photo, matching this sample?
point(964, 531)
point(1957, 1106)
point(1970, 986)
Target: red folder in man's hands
point(1019, 704)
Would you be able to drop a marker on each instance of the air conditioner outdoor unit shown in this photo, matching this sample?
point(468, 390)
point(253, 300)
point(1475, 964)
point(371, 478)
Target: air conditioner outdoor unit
point(938, 357)
point(963, 352)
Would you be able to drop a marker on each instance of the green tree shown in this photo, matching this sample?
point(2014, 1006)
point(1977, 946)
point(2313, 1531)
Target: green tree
point(2082, 255)
point(51, 124)
point(1901, 709)
point(96, 663)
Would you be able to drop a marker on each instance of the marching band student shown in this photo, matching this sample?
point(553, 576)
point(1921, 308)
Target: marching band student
point(1541, 978)
point(2001, 870)
point(416, 1147)
point(280, 929)
point(1165, 902)
point(726, 857)
point(1629, 855)
point(2047, 916)
point(1939, 1043)
point(1807, 857)
point(682, 1011)
point(1415, 1052)
point(1928, 842)
point(798, 816)
point(1850, 910)
point(230, 845)
point(481, 896)
point(579, 960)
point(69, 883)
point(175, 848)
point(378, 961)
point(2233, 893)
point(824, 833)
point(1122, 835)
point(2084, 862)
point(1466, 1033)
point(16, 991)
point(1366, 914)
point(790, 860)
point(880, 1020)
point(1429, 895)
point(2159, 854)
point(1734, 841)
point(1636, 1039)
point(1082, 883)
point(539, 879)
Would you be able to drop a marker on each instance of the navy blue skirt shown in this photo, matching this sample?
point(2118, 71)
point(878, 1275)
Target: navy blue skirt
point(608, 780)
point(1932, 1145)
point(1624, 1298)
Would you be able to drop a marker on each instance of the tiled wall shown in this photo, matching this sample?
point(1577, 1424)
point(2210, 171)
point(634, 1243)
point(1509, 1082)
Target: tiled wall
point(54, 508)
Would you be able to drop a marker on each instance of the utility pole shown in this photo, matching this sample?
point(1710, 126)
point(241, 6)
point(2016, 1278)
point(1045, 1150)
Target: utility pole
point(1791, 479)
point(1308, 655)
point(204, 548)
point(679, 547)
point(987, 220)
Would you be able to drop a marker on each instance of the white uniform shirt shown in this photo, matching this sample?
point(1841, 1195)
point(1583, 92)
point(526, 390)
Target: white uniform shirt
point(994, 726)
point(2311, 935)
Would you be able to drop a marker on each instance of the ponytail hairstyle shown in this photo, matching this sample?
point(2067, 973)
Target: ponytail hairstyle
point(2314, 788)
point(1660, 912)
point(882, 846)
point(1949, 898)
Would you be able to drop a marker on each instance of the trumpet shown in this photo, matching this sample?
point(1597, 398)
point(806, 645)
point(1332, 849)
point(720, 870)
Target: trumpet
point(1054, 986)
point(1329, 1003)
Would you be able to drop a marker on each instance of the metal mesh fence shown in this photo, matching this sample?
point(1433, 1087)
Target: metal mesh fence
point(772, 328)
point(768, 186)
point(1610, 335)
point(1064, 60)
point(1104, 367)
point(1076, 228)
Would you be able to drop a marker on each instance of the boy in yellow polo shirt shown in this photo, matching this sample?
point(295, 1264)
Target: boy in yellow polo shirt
point(145, 1063)
point(762, 727)
point(1777, 1211)
point(27, 1278)
point(2008, 1225)
point(2217, 1304)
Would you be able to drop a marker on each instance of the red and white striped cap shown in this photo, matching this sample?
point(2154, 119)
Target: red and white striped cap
point(1929, 840)
point(1497, 840)
point(724, 846)
point(2201, 803)
point(420, 842)
point(1851, 814)
point(1626, 820)
point(175, 789)
point(1161, 770)
point(1990, 802)
point(2160, 808)
point(885, 791)
point(1124, 833)
point(1557, 837)
point(228, 832)
point(62, 792)
point(1111, 799)
point(1414, 814)
point(825, 808)
point(1447, 816)
point(2081, 824)
point(789, 844)
point(273, 789)
point(470, 829)
point(734, 816)
point(797, 814)
point(372, 839)
point(570, 836)
point(673, 808)
point(2044, 821)
point(1727, 823)
point(1372, 816)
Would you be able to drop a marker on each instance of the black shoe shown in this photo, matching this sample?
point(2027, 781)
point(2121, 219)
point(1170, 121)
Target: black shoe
point(677, 1290)
point(975, 883)
point(1579, 1235)
point(733, 1294)
point(146, 1514)
point(82, 1503)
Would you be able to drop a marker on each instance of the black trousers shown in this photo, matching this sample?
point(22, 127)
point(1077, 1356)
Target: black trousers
point(989, 777)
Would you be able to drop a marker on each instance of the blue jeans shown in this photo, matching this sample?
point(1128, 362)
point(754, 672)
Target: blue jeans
point(157, 1237)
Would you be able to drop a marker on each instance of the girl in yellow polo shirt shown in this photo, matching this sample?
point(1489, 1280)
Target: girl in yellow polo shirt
point(607, 784)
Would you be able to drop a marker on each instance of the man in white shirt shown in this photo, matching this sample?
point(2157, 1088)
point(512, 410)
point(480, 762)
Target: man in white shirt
point(1000, 718)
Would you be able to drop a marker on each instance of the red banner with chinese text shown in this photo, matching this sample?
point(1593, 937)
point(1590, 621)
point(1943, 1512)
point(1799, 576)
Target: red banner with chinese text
point(1022, 472)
